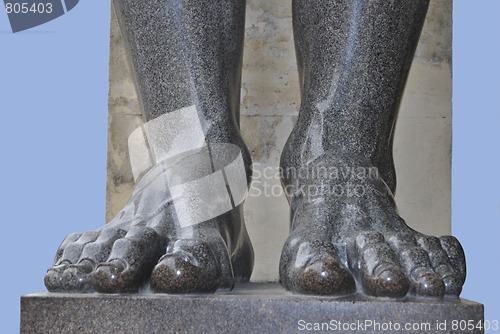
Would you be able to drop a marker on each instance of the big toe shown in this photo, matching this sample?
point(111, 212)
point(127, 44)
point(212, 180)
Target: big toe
point(180, 272)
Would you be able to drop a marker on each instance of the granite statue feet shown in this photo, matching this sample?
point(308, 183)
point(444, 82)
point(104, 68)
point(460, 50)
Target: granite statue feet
point(346, 234)
point(338, 171)
point(179, 236)
point(145, 243)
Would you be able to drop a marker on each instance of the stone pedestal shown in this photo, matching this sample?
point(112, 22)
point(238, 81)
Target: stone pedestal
point(249, 308)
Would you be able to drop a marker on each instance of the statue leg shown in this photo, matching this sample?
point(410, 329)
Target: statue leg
point(354, 57)
point(186, 55)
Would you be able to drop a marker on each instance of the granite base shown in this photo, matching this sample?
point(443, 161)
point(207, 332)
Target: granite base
point(248, 308)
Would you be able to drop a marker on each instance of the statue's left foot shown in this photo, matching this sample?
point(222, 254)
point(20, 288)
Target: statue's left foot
point(347, 234)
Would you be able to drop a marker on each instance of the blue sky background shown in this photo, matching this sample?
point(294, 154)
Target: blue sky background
point(53, 102)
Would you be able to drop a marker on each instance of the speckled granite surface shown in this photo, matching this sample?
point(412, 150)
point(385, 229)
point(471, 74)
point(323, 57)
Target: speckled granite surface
point(249, 308)
point(270, 101)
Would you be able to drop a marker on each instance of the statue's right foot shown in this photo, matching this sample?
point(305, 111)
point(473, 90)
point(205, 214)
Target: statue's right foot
point(145, 243)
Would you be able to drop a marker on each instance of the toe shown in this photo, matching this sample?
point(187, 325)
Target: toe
point(387, 281)
point(456, 257)
point(313, 267)
point(53, 278)
point(455, 253)
point(415, 262)
point(379, 273)
point(442, 264)
point(68, 253)
point(78, 277)
point(453, 285)
point(191, 267)
point(130, 262)
point(71, 238)
point(426, 282)
point(111, 277)
point(325, 277)
point(73, 250)
point(99, 250)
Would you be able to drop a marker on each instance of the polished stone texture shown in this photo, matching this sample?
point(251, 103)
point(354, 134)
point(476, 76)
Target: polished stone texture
point(269, 106)
point(185, 55)
point(338, 170)
point(353, 57)
point(249, 308)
